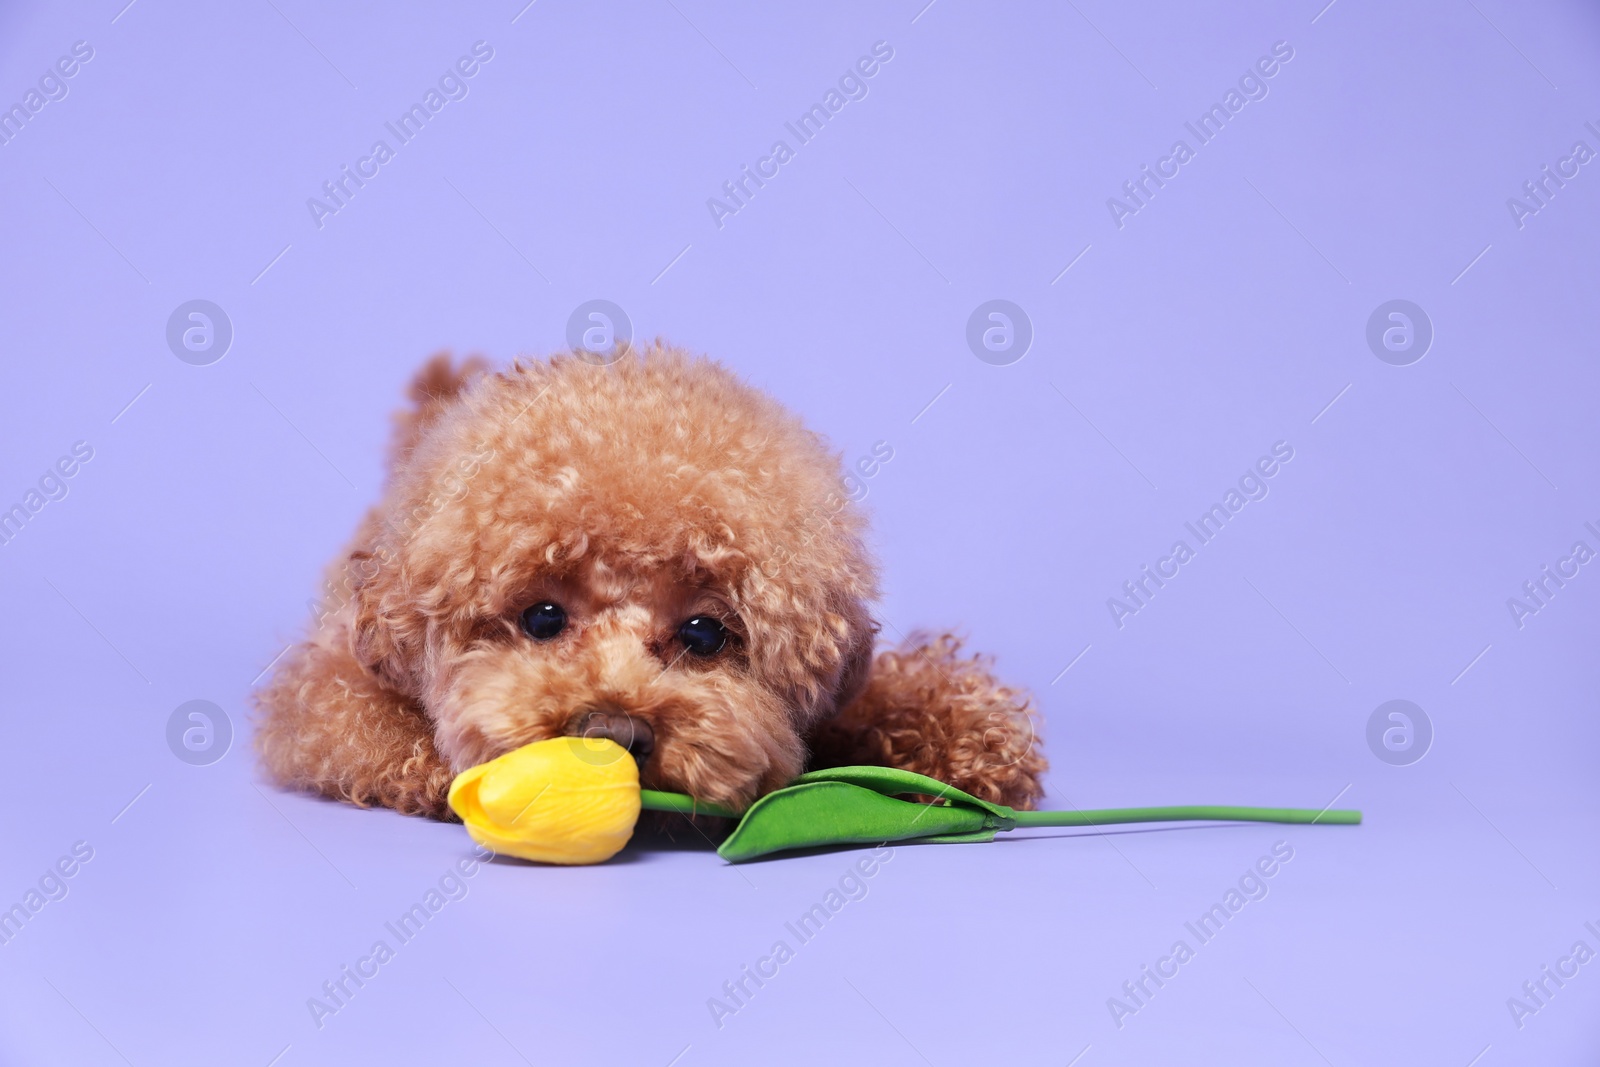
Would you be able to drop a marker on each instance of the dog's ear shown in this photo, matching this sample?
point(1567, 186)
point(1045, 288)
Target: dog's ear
point(435, 388)
point(860, 644)
point(386, 638)
point(381, 637)
point(930, 709)
point(811, 644)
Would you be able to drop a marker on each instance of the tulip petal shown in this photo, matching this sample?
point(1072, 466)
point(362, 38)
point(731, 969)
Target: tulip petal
point(565, 800)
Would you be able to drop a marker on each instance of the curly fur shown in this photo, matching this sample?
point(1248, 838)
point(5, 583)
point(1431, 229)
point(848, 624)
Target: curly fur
point(635, 495)
point(928, 709)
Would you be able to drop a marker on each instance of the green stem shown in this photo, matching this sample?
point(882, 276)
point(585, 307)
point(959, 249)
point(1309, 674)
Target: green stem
point(1220, 812)
point(656, 800)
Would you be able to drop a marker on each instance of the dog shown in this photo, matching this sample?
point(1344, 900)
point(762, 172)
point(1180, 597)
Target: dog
point(646, 549)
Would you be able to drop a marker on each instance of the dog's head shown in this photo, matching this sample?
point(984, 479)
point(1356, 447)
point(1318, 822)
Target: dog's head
point(650, 551)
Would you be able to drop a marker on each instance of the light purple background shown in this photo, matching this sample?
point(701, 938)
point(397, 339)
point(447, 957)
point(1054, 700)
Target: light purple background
point(1222, 318)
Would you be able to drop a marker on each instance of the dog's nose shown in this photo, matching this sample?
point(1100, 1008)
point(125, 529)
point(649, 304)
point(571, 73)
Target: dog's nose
point(632, 733)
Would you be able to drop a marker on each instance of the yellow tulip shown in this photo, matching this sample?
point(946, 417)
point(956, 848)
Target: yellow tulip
point(569, 800)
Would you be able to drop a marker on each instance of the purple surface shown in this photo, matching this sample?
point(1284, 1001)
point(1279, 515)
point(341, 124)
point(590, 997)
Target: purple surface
point(1227, 314)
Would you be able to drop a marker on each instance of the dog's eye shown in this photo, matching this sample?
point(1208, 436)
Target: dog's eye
point(544, 620)
point(703, 635)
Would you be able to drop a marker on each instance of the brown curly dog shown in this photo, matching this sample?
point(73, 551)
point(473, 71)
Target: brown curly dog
point(650, 551)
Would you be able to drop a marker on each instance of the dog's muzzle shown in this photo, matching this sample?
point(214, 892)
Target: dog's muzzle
point(632, 733)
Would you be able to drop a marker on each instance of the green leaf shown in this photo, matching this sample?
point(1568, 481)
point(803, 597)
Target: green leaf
point(824, 809)
point(892, 782)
